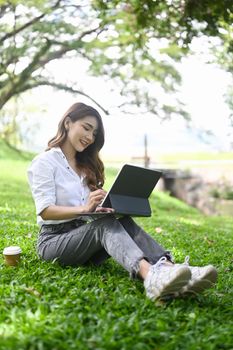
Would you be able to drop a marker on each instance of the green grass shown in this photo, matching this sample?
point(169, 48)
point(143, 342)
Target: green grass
point(12, 153)
point(44, 306)
point(176, 157)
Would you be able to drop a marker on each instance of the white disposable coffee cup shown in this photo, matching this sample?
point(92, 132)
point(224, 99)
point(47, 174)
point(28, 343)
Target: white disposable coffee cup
point(12, 255)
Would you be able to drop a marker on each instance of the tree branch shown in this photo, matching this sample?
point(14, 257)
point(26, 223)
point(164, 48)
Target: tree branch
point(90, 31)
point(3, 9)
point(59, 86)
point(16, 31)
point(34, 64)
point(26, 25)
point(54, 55)
point(66, 47)
point(74, 91)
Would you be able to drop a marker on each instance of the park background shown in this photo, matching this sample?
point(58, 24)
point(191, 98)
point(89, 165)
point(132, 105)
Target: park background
point(134, 51)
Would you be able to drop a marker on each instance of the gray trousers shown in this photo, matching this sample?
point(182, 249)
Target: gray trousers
point(77, 243)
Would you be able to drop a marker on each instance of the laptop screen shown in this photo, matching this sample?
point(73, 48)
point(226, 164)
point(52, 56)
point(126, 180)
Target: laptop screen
point(133, 181)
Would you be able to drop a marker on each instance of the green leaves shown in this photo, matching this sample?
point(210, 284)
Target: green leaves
point(135, 44)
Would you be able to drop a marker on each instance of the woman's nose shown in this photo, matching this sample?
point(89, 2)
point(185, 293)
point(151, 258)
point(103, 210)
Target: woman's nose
point(90, 137)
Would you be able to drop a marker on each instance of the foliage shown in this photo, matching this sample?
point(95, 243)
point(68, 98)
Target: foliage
point(7, 151)
point(180, 21)
point(229, 100)
point(46, 307)
point(37, 33)
point(132, 43)
point(223, 191)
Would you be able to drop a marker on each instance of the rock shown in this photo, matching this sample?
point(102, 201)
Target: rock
point(199, 192)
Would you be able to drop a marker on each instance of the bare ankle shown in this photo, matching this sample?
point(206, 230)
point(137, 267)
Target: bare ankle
point(143, 268)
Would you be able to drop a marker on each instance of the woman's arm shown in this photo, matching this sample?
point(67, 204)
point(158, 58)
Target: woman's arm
point(42, 180)
point(56, 212)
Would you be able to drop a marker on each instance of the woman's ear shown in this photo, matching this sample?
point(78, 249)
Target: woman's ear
point(67, 123)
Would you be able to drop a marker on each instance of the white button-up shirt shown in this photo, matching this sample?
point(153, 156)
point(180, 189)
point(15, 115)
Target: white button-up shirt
point(54, 182)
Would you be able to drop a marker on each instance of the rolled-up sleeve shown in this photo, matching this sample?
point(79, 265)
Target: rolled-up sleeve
point(41, 180)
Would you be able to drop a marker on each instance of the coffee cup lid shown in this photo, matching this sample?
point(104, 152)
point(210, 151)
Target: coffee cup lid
point(12, 250)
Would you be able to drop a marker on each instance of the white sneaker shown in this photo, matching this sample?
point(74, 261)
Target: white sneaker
point(165, 280)
point(202, 278)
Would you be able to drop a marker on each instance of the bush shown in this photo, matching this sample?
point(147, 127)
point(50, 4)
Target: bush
point(224, 190)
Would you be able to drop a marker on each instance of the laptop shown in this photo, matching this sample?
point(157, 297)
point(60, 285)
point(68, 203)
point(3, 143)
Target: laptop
point(129, 193)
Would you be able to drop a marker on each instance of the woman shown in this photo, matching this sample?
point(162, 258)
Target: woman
point(66, 182)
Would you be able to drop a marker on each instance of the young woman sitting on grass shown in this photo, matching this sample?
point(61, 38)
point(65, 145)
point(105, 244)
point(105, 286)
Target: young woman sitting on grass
point(65, 180)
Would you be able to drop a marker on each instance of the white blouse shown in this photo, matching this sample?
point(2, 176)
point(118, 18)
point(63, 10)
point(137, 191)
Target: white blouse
point(54, 182)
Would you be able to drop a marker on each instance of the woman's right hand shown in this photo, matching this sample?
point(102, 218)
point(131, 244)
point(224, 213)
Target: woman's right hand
point(95, 198)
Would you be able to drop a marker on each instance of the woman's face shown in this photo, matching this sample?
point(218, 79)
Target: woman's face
point(81, 133)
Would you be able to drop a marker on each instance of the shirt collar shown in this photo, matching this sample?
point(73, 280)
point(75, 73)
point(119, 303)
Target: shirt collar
point(58, 150)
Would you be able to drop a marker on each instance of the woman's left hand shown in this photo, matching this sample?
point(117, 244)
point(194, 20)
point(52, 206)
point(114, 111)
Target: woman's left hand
point(104, 210)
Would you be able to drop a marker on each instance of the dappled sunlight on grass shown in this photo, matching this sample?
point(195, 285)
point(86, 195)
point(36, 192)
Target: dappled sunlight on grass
point(178, 255)
point(5, 209)
point(190, 221)
point(7, 330)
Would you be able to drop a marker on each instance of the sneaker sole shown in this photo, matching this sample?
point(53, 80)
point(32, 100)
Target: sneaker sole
point(206, 282)
point(177, 283)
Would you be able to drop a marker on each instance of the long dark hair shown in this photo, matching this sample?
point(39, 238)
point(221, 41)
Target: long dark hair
point(88, 161)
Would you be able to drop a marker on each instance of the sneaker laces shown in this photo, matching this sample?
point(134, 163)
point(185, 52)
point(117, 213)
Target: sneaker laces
point(186, 260)
point(160, 262)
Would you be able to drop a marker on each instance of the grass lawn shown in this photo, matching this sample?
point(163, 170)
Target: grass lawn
point(44, 306)
point(178, 156)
